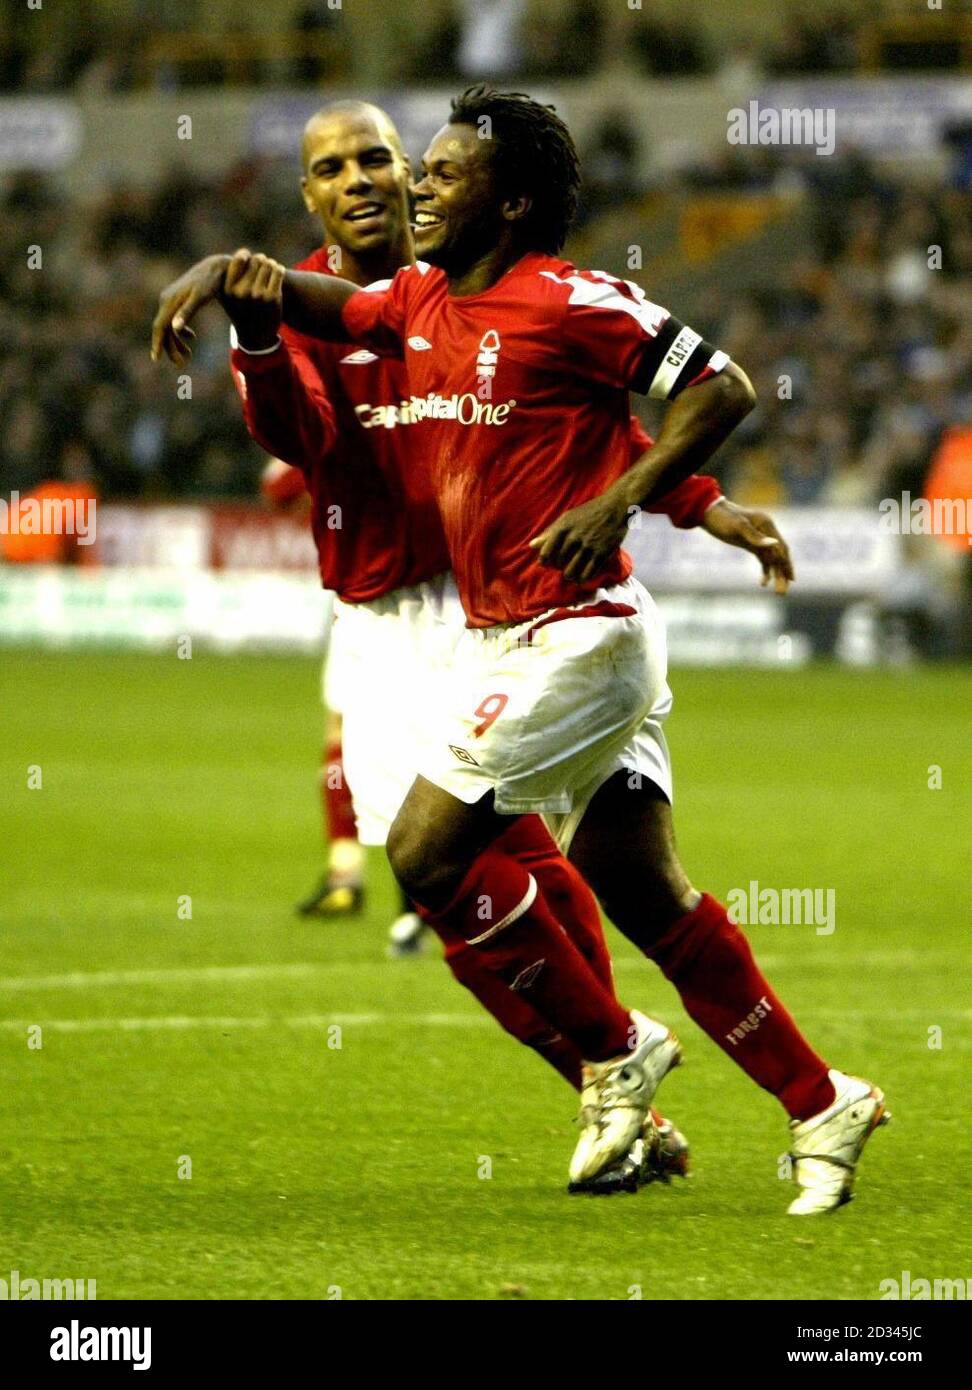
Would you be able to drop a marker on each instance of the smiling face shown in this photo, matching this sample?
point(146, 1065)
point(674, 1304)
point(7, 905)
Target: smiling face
point(356, 178)
point(459, 213)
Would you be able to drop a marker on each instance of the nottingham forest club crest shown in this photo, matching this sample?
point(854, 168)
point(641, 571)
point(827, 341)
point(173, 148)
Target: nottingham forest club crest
point(488, 357)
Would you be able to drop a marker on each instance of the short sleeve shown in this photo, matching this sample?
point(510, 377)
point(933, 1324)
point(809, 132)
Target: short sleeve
point(612, 333)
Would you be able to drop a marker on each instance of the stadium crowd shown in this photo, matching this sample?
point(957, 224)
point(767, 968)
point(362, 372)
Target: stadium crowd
point(136, 44)
point(861, 352)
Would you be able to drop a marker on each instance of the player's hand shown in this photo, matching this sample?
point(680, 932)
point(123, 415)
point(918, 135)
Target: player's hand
point(253, 297)
point(583, 540)
point(179, 301)
point(757, 533)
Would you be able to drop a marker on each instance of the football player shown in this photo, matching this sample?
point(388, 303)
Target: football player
point(556, 714)
point(329, 413)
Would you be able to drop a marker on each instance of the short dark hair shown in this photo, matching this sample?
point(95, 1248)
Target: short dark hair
point(532, 153)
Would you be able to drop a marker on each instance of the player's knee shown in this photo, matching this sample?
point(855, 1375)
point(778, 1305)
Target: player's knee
point(670, 894)
point(406, 857)
point(420, 870)
point(643, 904)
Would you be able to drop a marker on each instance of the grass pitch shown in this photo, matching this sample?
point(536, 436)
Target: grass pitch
point(425, 1157)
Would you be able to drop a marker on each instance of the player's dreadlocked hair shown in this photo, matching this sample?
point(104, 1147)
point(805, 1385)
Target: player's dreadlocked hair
point(532, 153)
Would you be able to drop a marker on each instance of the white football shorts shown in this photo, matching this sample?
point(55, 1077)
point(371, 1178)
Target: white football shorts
point(387, 672)
point(544, 712)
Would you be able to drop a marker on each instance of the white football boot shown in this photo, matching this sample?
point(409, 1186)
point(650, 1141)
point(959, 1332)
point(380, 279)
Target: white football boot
point(827, 1147)
point(617, 1094)
point(660, 1153)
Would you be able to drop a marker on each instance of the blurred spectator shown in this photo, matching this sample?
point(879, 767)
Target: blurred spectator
point(566, 43)
point(316, 22)
point(490, 37)
point(817, 39)
point(112, 47)
point(958, 136)
point(436, 60)
point(472, 39)
point(611, 164)
point(664, 47)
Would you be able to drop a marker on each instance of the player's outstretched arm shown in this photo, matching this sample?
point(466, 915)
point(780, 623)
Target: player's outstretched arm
point(313, 304)
point(696, 423)
point(242, 282)
point(259, 294)
point(178, 302)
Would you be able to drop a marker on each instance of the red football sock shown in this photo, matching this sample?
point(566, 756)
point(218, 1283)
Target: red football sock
point(709, 962)
point(336, 805)
point(511, 1010)
point(566, 893)
point(575, 908)
point(500, 911)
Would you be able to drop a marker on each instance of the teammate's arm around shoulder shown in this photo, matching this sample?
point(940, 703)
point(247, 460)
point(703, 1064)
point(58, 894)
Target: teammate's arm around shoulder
point(259, 294)
point(314, 304)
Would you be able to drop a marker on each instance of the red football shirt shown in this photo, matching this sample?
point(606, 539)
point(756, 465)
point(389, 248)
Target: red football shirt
point(331, 410)
point(523, 392)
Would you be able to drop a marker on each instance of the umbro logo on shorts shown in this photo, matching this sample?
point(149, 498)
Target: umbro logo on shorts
point(419, 344)
point(462, 755)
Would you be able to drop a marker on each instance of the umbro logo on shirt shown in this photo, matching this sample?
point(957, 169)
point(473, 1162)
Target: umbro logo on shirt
point(419, 344)
point(359, 357)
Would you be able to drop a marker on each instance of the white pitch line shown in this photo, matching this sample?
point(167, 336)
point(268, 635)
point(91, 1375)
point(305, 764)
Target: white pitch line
point(95, 979)
point(182, 1022)
point(186, 1022)
point(203, 974)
